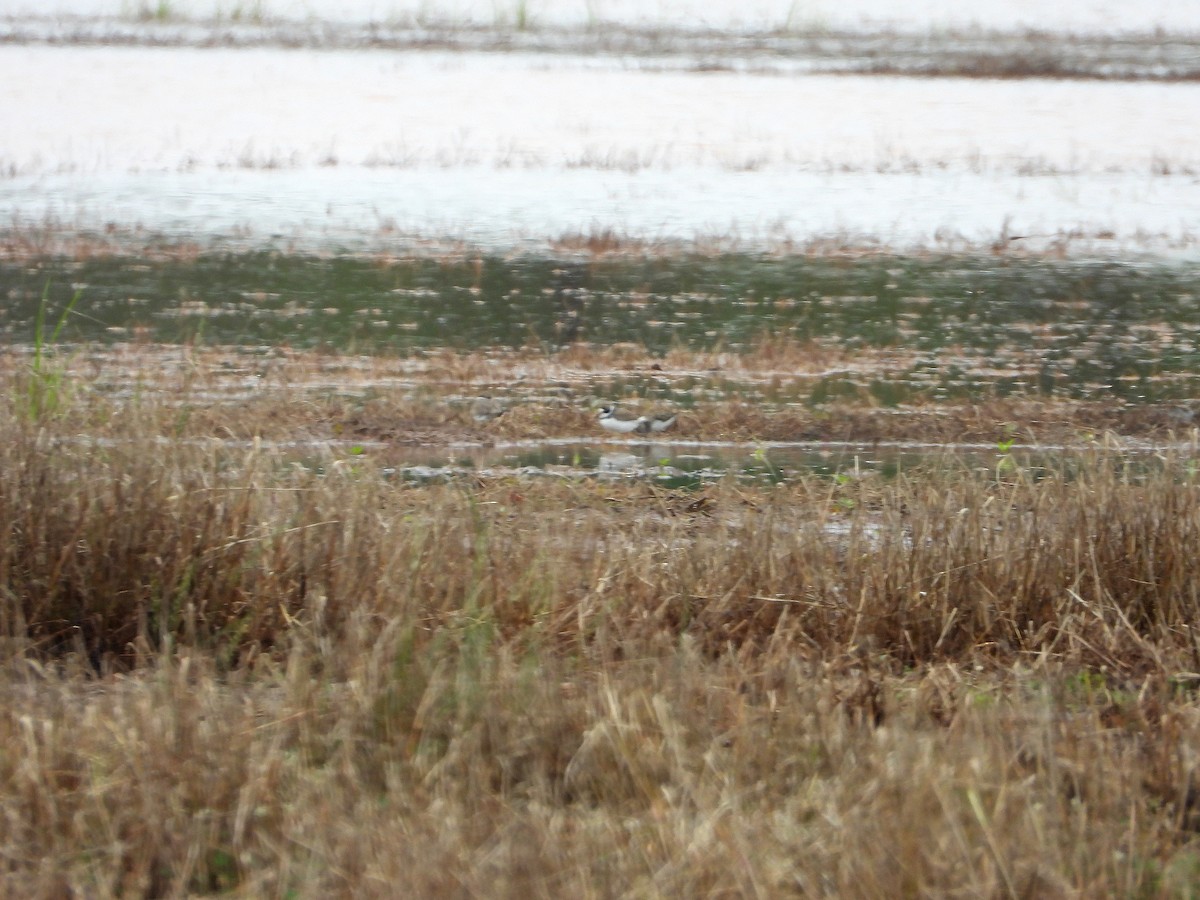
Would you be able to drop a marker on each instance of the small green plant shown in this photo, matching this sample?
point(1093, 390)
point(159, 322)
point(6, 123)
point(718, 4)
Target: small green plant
point(1004, 445)
point(46, 383)
point(760, 456)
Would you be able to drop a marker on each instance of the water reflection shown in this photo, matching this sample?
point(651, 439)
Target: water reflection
point(692, 464)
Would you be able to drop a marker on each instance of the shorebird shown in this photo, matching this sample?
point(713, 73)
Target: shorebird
point(640, 425)
point(660, 422)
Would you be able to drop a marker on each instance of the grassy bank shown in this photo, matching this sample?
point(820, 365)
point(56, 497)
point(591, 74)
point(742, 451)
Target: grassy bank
point(226, 671)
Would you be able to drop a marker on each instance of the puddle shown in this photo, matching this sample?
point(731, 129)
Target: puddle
point(690, 465)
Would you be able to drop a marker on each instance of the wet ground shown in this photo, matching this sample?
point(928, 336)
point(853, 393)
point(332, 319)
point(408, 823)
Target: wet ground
point(432, 415)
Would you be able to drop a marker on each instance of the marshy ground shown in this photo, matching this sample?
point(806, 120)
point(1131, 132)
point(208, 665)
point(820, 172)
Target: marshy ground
point(229, 671)
point(903, 604)
point(242, 655)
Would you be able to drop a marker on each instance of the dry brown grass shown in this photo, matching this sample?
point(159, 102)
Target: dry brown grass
point(226, 671)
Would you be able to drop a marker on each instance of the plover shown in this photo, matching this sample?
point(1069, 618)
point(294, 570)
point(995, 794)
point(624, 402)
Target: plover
point(640, 425)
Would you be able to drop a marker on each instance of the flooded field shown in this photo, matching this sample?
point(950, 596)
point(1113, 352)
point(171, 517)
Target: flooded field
point(774, 411)
point(522, 448)
point(739, 214)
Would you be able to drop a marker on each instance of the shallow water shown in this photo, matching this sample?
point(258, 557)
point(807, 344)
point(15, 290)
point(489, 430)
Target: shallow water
point(374, 149)
point(692, 463)
point(905, 329)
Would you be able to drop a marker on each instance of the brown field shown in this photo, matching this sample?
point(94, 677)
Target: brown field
point(227, 672)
